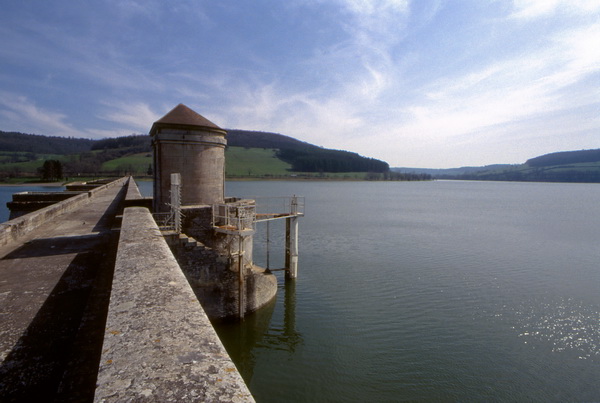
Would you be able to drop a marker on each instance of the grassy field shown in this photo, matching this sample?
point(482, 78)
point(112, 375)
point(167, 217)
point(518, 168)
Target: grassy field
point(135, 163)
point(17, 160)
point(241, 161)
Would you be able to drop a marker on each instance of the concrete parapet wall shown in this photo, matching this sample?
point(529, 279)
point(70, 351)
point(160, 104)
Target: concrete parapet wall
point(133, 192)
point(119, 182)
point(134, 198)
point(11, 231)
point(159, 344)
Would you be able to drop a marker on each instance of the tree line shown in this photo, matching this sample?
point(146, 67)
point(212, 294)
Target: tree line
point(398, 176)
point(88, 156)
point(324, 160)
point(34, 143)
point(305, 157)
point(135, 143)
point(564, 158)
point(561, 173)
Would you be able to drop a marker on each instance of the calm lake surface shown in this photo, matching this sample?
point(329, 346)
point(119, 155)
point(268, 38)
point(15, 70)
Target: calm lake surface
point(6, 193)
point(428, 291)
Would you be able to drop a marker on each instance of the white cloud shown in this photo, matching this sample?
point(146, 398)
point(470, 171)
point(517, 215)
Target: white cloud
point(376, 24)
point(534, 8)
point(509, 90)
point(582, 48)
point(368, 12)
point(529, 9)
point(377, 83)
point(367, 110)
point(23, 115)
point(135, 116)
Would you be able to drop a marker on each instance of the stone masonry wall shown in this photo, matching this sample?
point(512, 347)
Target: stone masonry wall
point(215, 280)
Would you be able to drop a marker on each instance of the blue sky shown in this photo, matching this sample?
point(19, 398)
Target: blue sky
point(419, 83)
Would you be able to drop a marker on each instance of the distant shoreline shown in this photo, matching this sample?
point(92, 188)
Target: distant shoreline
point(49, 184)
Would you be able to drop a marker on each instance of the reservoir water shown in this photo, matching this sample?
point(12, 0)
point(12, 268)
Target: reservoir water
point(428, 291)
point(6, 193)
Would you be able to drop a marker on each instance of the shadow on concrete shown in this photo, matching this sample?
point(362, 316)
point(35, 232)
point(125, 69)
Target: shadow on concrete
point(54, 246)
point(61, 347)
point(58, 355)
point(115, 207)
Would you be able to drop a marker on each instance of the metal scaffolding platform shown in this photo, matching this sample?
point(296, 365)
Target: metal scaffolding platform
point(239, 218)
point(243, 214)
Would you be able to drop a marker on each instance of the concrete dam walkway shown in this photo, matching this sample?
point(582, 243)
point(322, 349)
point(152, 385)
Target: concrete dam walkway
point(85, 317)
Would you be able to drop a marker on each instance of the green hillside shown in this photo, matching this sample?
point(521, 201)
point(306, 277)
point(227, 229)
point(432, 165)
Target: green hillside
point(242, 162)
point(135, 164)
point(254, 154)
point(579, 172)
point(250, 154)
point(566, 166)
point(306, 157)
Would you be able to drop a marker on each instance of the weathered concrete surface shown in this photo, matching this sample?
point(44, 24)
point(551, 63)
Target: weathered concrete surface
point(26, 202)
point(159, 344)
point(11, 231)
point(135, 199)
point(55, 278)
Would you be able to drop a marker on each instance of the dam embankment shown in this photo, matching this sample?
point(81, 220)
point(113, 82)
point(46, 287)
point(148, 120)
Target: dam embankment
point(94, 311)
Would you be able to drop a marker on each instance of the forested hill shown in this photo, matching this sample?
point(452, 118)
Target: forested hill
point(256, 139)
point(305, 157)
point(565, 157)
point(564, 166)
point(34, 143)
point(301, 156)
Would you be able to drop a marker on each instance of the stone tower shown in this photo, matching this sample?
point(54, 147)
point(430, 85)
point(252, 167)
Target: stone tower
point(213, 241)
point(187, 143)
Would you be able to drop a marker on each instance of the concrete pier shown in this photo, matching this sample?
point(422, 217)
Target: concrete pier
point(159, 344)
point(55, 270)
point(70, 331)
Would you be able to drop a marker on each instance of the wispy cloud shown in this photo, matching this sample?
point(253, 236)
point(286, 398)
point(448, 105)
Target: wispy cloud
point(135, 116)
point(388, 79)
point(505, 92)
point(376, 16)
point(529, 9)
point(21, 114)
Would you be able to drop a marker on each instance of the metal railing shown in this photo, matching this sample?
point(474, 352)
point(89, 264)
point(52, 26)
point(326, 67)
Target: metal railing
point(272, 208)
point(237, 216)
point(165, 221)
point(242, 215)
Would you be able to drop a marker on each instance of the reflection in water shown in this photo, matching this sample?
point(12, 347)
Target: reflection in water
point(283, 336)
point(566, 324)
point(240, 338)
point(270, 328)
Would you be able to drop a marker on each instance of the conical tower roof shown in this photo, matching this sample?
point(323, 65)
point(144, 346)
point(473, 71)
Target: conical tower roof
point(181, 115)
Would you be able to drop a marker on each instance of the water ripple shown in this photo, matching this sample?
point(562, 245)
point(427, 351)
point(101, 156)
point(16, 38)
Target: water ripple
point(568, 325)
